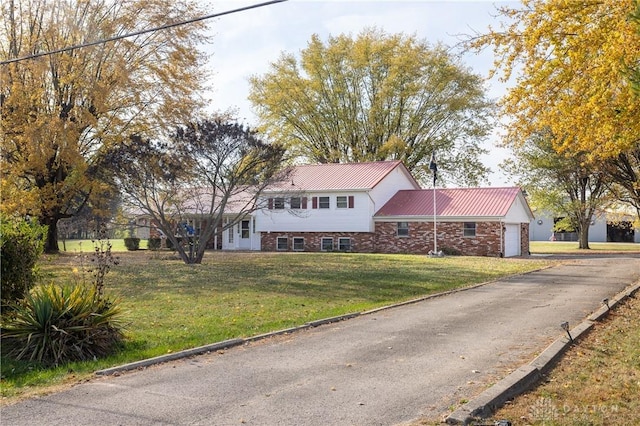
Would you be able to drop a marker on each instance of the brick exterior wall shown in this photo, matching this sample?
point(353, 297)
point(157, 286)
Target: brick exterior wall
point(524, 239)
point(420, 240)
point(450, 238)
point(361, 242)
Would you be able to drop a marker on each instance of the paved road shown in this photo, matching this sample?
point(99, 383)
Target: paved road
point(379, 369)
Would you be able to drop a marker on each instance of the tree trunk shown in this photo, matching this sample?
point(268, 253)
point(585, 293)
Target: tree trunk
point(51, 243)
point(583, 236)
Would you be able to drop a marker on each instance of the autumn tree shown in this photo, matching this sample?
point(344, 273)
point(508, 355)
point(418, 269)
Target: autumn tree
point(377, 97)
point(570, 62)
point(60, 112)
point(560, 183)
point(207, 171)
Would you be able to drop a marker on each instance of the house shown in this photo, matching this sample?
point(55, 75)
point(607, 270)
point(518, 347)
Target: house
point(376, 207)
point(379, 207)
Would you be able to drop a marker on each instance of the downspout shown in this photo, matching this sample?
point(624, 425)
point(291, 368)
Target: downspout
point(503, 250)
point(374, 211)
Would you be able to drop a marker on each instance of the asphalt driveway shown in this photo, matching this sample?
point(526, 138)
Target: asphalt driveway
point(384, 368)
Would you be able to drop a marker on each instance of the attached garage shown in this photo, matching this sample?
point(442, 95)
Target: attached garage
point(468, 221)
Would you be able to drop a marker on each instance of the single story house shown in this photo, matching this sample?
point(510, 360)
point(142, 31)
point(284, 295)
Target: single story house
point(377, 207)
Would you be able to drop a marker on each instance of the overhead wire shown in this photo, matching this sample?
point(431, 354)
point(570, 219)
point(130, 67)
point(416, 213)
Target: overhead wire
point(149, 30)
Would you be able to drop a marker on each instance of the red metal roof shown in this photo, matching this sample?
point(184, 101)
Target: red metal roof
point(339, 176)
point(456, 202)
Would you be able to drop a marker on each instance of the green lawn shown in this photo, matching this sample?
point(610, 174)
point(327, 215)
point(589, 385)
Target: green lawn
point(86, 246)
point(566, 247)
point(171, 306)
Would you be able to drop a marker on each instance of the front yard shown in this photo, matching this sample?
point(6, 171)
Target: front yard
point(171, 306)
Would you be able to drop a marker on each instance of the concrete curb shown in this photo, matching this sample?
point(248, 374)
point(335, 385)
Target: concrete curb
point(217, 346)
point(525, 377)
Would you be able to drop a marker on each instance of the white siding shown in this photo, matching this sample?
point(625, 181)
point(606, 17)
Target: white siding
point(333, 219)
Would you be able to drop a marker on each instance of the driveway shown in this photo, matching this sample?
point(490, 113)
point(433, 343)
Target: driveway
point(383, 368)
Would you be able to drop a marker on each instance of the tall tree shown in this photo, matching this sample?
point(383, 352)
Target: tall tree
point(572, 60)
point(208, 171)
point(377, 97)
point(563, 184)
point(60, 112)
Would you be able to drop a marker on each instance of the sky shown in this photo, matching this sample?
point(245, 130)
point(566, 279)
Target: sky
point(246, 43)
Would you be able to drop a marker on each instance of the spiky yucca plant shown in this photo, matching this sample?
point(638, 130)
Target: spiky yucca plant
point(56, 324)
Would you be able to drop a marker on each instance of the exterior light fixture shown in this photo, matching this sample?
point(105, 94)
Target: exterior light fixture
point(565, 327)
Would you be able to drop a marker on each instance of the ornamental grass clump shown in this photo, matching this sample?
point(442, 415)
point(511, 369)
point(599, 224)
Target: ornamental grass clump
point(55, 324)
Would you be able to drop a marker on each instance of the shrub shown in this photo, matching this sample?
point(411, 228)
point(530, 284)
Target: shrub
point(56, 324)
point(154, 243)
point(21, 244)
point(132, 243)
point(450, 251)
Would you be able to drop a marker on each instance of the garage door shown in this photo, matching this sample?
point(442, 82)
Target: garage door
point(512, 240)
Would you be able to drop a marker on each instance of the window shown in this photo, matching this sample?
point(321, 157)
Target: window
point(344, 244)
point(344, 202)
point(230, 230)
point(469, 229)
point(296, 202)
point(278, 203)
point(298, 244)
point(403, 229)
point(323, 202)
point(341, 202)
point(244, 231)
point(326, 244)
point(282, 243)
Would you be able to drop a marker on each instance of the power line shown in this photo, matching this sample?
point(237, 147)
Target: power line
point(163, 27)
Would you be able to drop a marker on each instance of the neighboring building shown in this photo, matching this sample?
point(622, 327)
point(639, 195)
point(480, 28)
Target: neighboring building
point(379, 207)
point(605, 227)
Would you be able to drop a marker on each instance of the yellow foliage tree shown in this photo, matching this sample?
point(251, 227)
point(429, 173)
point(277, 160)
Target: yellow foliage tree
point(572, 60)
point(61, 111)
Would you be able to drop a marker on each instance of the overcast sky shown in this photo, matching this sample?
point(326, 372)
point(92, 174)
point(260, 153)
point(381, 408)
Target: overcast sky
point(245, 43)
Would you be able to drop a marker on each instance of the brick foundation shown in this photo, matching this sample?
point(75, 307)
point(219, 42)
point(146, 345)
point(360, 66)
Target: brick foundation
point(361, 242)
point(487, 241)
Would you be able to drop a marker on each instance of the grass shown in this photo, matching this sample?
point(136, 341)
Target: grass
point(597, 381)
point(567, 247)
point(171, 306)
point(86, 246)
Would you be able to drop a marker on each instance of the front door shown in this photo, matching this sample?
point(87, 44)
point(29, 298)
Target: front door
point(245, 235)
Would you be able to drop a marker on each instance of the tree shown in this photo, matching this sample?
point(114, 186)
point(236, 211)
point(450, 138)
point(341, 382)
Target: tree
point(60, 112)
point(564, 184)
point(209, 170)
point(377, 97)
point(572, 61)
